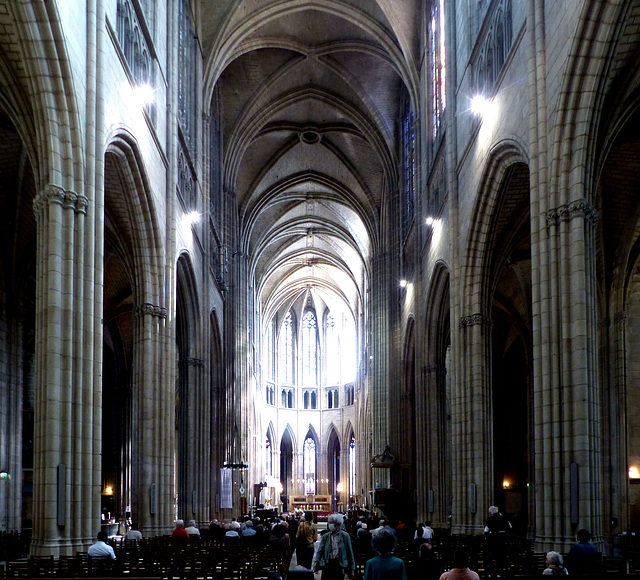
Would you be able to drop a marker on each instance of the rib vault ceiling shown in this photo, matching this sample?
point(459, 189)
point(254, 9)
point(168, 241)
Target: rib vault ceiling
point(310, 95)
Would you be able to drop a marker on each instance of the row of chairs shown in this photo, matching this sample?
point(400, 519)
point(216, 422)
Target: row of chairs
point(242, 563)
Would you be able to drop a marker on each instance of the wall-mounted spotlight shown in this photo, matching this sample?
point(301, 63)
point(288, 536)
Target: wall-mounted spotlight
point(634, 474)
point(403, 283)
point(429, 221)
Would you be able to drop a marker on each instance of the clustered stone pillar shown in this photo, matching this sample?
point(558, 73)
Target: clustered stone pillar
point(566, 395)
point(67, 428)
point(153, 432)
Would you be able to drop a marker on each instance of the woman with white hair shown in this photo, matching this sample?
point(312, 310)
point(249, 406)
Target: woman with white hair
point(555, 565)
point(335, 554)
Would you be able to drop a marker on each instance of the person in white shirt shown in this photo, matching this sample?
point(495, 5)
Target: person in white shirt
point(101, 550)
point(134, 533)
point(191, 528)
point(424, 532)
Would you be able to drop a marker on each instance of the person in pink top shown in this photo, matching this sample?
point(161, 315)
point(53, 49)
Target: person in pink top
point(460, 570)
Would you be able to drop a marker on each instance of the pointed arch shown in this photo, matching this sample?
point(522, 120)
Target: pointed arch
point(333, 460)
point(483, 230)
point(287, 447)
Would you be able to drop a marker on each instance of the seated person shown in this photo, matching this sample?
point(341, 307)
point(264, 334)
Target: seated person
point(248, 529)
point(180, 531)
point(192, 530)
point(101, 554)
point(555, 565)
point(134, 533)
point(102, 550)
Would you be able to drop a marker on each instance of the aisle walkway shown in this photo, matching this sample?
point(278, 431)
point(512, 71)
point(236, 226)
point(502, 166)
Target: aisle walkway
point(293, 565)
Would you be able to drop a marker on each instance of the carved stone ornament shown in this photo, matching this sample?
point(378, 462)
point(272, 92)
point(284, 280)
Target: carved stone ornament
point(578, 208)
point(384, 460)
point(150, 309)
point(474, 319)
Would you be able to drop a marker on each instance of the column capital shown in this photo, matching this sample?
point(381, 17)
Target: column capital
point(474, 319)
point(578, 208)
point(54, 194)
point(146, 308)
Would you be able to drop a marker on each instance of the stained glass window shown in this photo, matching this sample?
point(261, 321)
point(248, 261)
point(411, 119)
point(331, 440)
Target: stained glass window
point(310, 349)
point(309, 460)
point(268, 467)
point(352, 466)
point(286, 350)
point(409, 158)
point(438, 61)
point(333, 351)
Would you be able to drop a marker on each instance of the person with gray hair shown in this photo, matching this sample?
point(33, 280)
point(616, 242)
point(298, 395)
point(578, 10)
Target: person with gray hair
point(335, 554)
point(192, 530)
point(555, 565)
point(384, 566)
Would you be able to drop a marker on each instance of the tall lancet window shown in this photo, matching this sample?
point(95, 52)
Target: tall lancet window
point(332, 350)
point(309, 461)
point(286, 350)
point(438, 68)
point(409, 160)
point(268, 464)
point(309, 349)
point(352, 466)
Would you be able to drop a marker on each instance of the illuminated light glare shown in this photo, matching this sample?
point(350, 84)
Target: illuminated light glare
point(108, 490)
point(437, 233)
point(403, 283)
point(506, 484)
point(192, 217)
point(144, 95)
point(339, 487)
point(479, 105)
point(429, 221)
point(634, 473)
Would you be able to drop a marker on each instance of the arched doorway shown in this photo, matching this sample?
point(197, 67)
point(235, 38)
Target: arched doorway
point(286, 467)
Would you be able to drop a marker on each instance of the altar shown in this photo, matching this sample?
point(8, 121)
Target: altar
point(311, 502)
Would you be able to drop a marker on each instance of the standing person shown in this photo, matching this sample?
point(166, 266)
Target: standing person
point(496, 523)
point(335, 554)
point(306, 537)
point(495, 531)
point(423, 532)
point(384, 566)
point(460, 570)
point(583, 556)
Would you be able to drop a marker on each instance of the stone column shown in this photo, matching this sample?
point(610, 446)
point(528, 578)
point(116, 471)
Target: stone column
point(68, 425)
point(154, 434)
point(378, 420)
point(472, 452)
point(567, 395)
point(432, 446)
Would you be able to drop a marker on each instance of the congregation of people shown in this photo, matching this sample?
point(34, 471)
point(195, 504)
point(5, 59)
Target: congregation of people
point(360, 545)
